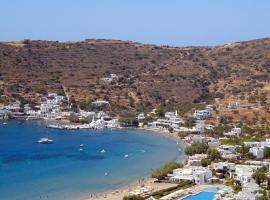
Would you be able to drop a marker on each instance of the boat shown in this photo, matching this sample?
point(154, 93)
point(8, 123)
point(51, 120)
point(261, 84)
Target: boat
point(81, 149)
point(126, 156)
point(81, 145)
point(45, 141)
point(106, 174)
point(103, 151)
point(4, 123)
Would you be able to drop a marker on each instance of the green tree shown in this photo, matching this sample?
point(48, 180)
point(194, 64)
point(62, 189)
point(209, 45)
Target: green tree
point(170, 129)
point(260, 175)
point(266, 152)
point(189, 122)
point(73, 118)
point(197, 148)
point(205, 162)
point(160, 111)
point(213, 154)
point(165, 170)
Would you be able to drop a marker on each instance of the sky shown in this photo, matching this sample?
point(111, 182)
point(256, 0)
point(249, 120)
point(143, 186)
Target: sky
point(162, 22)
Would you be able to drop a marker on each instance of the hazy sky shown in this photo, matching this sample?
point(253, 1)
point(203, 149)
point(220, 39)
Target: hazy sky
point(173, 22)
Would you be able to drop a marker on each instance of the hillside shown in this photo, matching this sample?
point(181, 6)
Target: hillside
point(148, 75)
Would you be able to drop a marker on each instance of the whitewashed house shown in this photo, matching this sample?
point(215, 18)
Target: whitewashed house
point(244, 173)
point(141, 116)
point(199, 175)
point(235, 132)
point(195, 160)
point(258, 152)
point(202, 114)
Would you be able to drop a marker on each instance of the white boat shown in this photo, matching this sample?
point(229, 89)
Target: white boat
point(5, 123)
point(81, 145)
point(103, 151)
point(45, 141)
point(106, 174)
point(81, 149)
point(126, 156)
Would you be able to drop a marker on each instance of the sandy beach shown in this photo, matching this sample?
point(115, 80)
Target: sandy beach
point(120, 193)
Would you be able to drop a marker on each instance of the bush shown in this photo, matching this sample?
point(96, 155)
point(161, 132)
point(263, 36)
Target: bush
point(205, 162)
point(213, 154)
point(197, 148)
point(165, 170)
point(133, 197)
point(260, 175)
point(266, 152)
point(74, 119)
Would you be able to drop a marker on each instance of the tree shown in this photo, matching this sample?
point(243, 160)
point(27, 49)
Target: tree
point(170, 129)
point(213, 154)
point(266, 152)
point(160, 111)
point(73, 118)
point(260, 175)
point(189, 122)
point(165, 170)
point(205, 162)
point(133, 197)
point(197, 148)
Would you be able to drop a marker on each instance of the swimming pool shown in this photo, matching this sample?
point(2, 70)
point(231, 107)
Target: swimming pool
point(201, 196)
point(208, 193)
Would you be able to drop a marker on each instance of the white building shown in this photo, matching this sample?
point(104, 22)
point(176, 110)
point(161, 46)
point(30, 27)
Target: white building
point(244, 173)
point(202, 114)
point(224, 166)
point(141, 116)
point(235, 132)
point(100, 103)
point(195, 160)
point(258, 152)
point(199, 175)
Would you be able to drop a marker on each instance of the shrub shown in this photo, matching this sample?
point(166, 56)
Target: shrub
point(165, 170)
point(197, 148)
point(205, 162)
point(133, 197)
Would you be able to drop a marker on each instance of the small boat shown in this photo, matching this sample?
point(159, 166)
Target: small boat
point(103, 151)
point(45, 141)
point(126, 156)
point(4, 123)
point(81, 145)
point(106, 174)
point(81, 149)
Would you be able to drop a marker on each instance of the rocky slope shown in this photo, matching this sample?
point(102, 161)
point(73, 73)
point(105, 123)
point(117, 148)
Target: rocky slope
point(149, 75)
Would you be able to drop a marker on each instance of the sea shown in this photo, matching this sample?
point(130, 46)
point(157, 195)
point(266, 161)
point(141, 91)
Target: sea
point(109, 159)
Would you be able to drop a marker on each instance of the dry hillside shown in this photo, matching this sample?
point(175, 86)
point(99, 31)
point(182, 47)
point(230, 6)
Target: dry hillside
point(149, 75)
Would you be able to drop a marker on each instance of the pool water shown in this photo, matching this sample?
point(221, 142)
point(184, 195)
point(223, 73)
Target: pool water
point(202, 196)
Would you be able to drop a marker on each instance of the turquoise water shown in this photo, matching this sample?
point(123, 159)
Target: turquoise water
point(202, 196)
point(60, 171)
